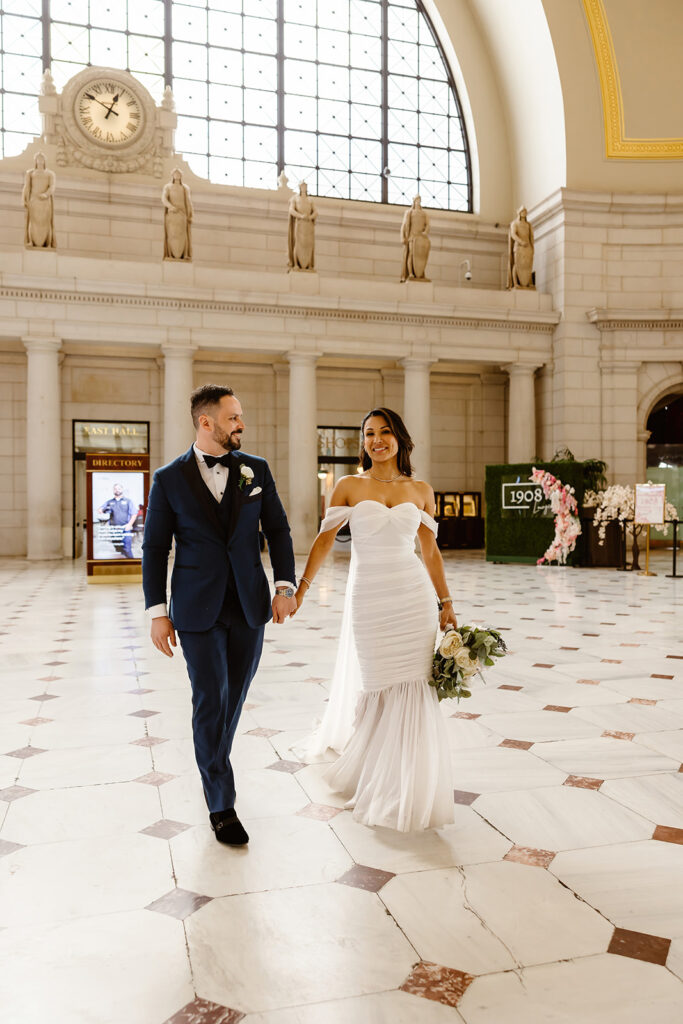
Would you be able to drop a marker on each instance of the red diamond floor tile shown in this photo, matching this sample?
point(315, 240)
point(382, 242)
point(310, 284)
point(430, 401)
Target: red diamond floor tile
point(155, 778)
point(286, 766)
point(528, 855)
point(668, 834)
point(461, 796)
point(25, 752)
point(11, 793)
point(165, 828)
point(178, 903)
point(617, 735)
point(516, 744)
point(202, 1011)
point(6, 848)
point(362, 877)
point(581, 782)
point(319, 812)
point(440, 984)
point(639, 946)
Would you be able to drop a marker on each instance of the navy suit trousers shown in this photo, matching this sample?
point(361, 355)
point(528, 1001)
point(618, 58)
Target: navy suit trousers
point(221, 663)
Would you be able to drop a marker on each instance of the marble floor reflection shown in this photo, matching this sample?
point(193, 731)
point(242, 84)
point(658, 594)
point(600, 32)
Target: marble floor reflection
point(556, 896)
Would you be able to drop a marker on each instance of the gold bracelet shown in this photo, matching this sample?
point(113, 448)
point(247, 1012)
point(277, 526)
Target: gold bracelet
point(305, 579)
point(444, 600)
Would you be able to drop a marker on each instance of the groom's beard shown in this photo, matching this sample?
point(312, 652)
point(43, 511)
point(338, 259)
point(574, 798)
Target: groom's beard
point(230, 442)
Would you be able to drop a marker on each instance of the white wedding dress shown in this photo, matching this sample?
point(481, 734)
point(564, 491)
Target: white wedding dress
point(383, 717)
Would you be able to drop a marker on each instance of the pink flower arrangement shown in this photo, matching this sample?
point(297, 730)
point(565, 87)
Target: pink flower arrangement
point(567, 524)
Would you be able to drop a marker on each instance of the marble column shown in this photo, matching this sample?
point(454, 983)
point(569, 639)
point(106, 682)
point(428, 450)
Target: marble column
point(521, 412)
point(302, 508)
point(417, 414)
point(178, 384)
point(43, 447)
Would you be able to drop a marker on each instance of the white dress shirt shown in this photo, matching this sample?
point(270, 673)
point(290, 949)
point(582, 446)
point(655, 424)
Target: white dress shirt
point(216, 479)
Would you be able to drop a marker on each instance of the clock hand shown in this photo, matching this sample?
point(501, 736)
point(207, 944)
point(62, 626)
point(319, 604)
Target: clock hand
point(111, 108)
point(89, 96)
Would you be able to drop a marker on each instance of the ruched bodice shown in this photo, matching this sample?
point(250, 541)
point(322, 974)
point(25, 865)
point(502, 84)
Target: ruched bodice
point(395, 766)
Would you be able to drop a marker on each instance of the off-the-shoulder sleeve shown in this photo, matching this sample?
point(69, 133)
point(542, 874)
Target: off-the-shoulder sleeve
point(335, 516)
point(429, 522)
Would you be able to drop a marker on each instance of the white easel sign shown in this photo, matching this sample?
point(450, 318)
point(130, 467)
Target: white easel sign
point(650, 504)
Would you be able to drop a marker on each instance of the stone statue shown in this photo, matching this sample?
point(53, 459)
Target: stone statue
point(301, 233)
point(177, 219)
point(39, 188)
point(521, 253)
point(416, 244)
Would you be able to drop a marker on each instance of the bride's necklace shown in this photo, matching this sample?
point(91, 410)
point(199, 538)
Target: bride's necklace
point(381, 481)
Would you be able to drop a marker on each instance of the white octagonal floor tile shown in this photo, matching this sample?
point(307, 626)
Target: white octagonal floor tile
point(638, 886)
point(602, 989)
point(130, 967)
point(283, 852)
point(469, 841)
point(561, 818)
point(306, 945)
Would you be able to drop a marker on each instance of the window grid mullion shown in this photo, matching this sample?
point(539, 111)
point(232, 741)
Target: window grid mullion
point(385, 169)
point(280, 86)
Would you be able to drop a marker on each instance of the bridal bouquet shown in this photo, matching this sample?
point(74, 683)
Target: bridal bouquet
point(461, 654)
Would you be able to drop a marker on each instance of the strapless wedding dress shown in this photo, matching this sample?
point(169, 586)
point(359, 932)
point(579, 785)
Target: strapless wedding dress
point(382, 715)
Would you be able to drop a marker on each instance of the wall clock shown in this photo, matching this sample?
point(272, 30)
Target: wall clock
point(106, 120)
point(109, 112)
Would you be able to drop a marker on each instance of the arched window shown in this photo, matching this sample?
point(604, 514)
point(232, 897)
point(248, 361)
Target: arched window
point(353, 96)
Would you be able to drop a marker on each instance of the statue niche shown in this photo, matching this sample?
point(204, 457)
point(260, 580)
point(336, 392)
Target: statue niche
point(178, 214)
point(521, 253)
point(416, 244)
point(301, 231)
point(39, 188)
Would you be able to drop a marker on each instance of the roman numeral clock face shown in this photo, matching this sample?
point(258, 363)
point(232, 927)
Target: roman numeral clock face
point(109, 113)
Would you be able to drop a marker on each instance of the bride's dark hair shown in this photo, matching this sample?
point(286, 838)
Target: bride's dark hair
point(398, 429)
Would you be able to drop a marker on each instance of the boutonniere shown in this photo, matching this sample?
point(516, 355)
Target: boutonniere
point(246, 476)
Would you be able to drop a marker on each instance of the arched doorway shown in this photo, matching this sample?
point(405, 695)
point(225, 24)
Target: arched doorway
point(665, 447)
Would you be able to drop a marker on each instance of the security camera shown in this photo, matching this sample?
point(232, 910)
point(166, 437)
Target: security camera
point(466, 266)
point(468, 275)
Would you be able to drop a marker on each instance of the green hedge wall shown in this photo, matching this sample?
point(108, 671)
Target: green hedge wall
point(525, 538)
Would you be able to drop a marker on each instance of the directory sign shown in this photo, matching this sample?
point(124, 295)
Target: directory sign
point(117, 487)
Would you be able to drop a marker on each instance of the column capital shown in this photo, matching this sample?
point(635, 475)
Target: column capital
point(417, 363)
point(303, 358)
point(41, 343)
point(174, 350)
point(521, 369)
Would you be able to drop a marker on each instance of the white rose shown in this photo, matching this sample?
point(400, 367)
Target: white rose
point(247, 472)
point(451, 644)
point(464, 662)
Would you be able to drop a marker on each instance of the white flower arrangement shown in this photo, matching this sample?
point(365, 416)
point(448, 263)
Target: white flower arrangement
point(460, 655)
point(617, 503)
point(246, 476)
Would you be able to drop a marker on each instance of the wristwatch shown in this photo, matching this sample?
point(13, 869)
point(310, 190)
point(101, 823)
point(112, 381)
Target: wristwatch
point(284, 592)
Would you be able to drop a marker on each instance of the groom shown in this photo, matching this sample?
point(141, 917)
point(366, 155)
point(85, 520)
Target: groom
point(211, 500)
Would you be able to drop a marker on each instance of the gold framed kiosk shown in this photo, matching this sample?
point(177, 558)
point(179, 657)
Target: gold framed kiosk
point(117, 486)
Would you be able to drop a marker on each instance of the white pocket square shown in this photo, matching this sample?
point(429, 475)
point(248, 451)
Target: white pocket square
point(257, 490)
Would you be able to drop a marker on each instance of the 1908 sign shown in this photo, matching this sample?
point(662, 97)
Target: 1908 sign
point(522, 498)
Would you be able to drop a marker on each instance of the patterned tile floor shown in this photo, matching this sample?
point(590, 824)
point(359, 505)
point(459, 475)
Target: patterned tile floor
point(557, 895)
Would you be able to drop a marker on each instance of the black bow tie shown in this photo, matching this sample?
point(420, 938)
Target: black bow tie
point(211, 460)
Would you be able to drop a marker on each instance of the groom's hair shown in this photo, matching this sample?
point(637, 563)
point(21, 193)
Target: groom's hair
point(205, 398)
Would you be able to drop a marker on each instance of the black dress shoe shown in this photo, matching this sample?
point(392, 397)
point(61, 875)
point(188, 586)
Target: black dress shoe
point(228, 828)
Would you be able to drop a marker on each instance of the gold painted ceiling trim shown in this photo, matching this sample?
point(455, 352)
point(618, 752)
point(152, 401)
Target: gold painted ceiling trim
point(617, 143)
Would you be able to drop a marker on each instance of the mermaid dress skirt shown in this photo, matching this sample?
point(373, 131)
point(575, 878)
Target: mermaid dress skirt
point(394, 766)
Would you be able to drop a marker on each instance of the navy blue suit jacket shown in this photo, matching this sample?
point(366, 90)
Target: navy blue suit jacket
point(209, 544)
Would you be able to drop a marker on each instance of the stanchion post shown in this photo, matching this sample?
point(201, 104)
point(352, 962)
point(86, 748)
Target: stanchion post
point(673, 574)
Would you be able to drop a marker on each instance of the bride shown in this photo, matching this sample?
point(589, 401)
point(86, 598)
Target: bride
point(383, 717)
